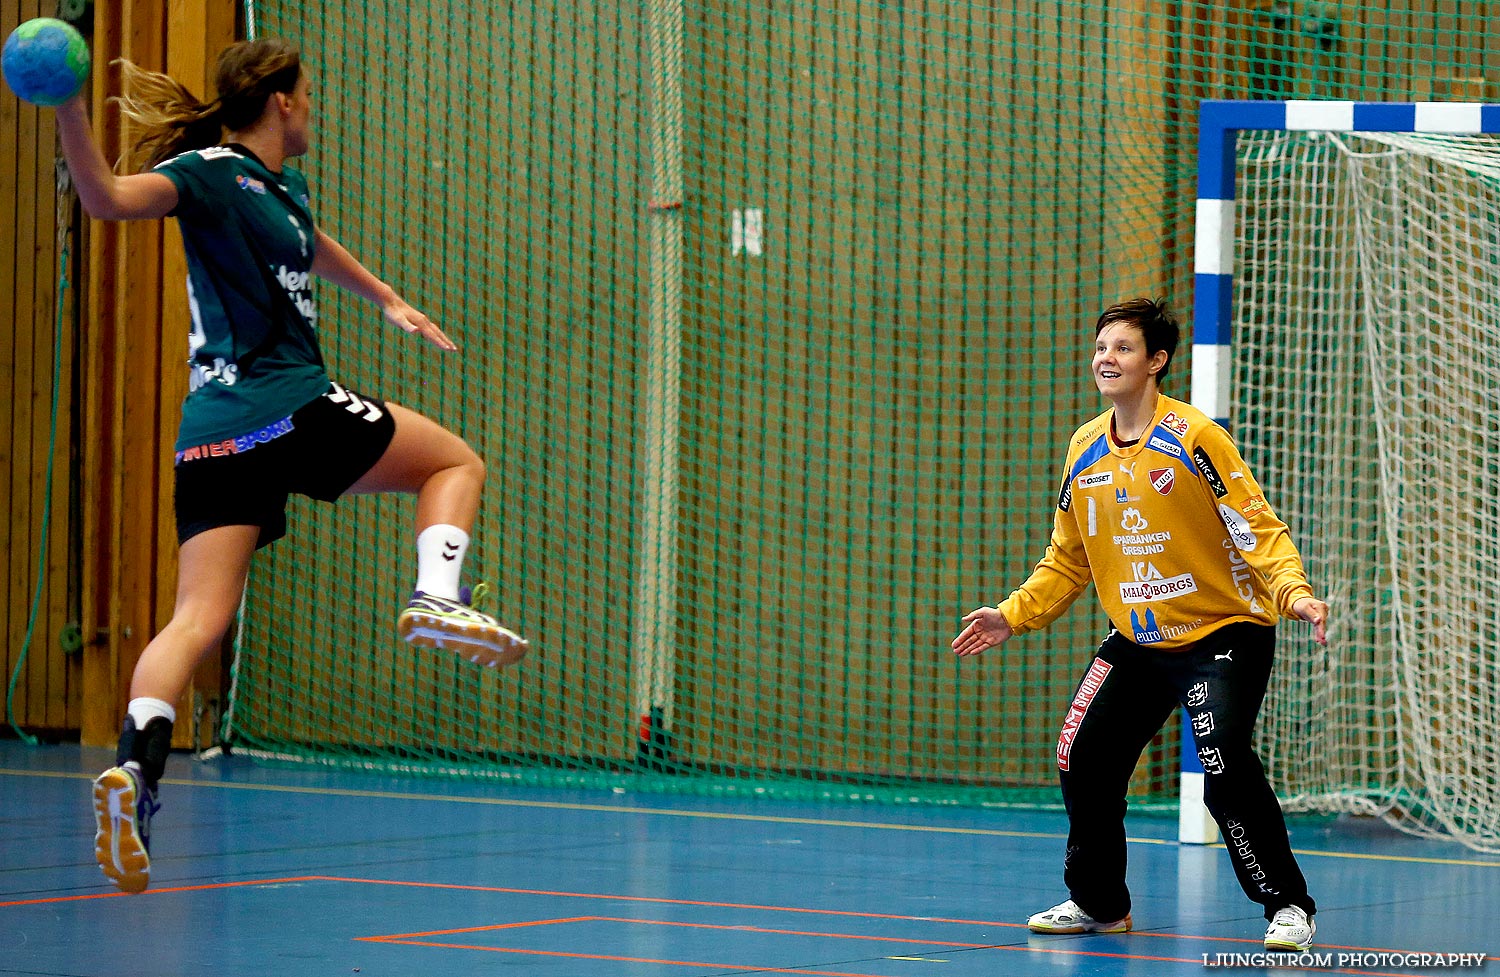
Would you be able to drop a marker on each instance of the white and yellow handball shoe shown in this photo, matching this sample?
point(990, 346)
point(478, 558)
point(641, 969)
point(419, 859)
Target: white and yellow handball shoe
point(1291, 931)
point(429, 621)
point(1068, 918)
point(123, 805)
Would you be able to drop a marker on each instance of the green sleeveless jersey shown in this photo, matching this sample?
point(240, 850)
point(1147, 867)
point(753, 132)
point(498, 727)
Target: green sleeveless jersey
point(253, 352)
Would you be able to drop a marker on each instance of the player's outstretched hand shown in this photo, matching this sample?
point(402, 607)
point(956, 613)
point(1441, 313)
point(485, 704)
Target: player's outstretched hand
point(1314, 612)
point(398, 313)
point(984, 628)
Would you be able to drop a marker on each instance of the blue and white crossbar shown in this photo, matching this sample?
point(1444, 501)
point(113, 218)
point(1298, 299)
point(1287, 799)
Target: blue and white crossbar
point(1219, 123)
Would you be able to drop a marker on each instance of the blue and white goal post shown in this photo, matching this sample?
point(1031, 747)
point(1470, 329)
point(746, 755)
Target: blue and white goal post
point(1219, 125)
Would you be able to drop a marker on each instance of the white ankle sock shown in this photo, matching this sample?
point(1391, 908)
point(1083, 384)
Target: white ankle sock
point(145, 709)
point(440, 557)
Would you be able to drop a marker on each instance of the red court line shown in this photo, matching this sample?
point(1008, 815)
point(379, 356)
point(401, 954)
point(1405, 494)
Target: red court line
point(757, 968)
point(475, 929)
point(410, 939)
point(400, 937)
point(711, 904)
point(616, 959)
point(162, 892)
point(807, 910)
point(782, 932)
point(663, 901)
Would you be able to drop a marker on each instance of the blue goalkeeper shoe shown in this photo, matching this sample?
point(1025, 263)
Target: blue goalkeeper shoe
point(123, 806)
point(429, 621)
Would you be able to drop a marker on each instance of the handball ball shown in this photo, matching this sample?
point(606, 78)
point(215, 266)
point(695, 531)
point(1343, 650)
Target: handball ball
point(45, 61)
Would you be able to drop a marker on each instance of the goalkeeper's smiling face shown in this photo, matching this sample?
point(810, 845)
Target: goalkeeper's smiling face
point(1122, 368)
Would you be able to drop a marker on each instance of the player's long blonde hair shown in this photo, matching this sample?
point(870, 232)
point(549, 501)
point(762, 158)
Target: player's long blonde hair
point(170, 120)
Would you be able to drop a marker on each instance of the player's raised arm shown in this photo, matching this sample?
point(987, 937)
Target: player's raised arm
point(47, 64)
point(106, 195)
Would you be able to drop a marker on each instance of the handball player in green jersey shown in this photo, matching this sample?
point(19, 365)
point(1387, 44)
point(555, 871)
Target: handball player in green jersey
point(262, 420)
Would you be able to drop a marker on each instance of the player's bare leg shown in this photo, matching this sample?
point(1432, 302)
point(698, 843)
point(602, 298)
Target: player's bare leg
point(211, 577)
point(447, 477)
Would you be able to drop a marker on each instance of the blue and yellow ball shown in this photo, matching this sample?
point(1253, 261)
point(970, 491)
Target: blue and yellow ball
point(45, 61)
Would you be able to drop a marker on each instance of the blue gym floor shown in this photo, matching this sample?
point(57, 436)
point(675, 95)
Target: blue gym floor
point(300, 872)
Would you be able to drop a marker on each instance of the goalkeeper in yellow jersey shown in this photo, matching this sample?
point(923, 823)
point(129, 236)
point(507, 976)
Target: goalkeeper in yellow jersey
point(1193, 567)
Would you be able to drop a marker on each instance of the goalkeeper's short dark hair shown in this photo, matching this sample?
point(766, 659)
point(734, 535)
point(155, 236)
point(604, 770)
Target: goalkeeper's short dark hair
point(1154, 319)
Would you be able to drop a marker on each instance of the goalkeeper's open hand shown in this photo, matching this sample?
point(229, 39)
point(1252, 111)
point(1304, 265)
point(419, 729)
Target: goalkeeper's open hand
point(1314, 612)
point(984, 627)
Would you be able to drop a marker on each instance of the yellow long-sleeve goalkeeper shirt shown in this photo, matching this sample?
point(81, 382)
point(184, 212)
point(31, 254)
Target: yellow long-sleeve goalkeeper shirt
point(1173, 531)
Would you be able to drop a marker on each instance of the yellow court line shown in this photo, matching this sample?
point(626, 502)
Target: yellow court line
point(721, 816)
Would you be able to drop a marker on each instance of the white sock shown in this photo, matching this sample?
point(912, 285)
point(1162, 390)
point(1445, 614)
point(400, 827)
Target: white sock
point(440, 557)
point(145, 709)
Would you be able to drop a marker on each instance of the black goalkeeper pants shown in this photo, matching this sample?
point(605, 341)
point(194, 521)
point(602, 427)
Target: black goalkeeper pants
point(1127, 694)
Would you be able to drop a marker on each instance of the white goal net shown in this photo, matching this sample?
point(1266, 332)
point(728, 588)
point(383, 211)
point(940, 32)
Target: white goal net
point(1366, 397)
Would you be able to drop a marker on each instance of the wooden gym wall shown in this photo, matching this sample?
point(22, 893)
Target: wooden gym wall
point(116, 374)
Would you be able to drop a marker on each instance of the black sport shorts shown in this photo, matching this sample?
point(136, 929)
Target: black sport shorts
point(319, 451)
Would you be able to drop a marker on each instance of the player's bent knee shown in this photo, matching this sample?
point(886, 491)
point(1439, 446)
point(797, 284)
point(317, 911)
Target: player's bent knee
point(200, 632)
point(473, 465)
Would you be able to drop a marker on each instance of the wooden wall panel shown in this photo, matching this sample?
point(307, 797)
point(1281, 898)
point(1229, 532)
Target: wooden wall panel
point(106, 549)
point(10, 205)
point(100, 431)
point(35, 370)
point(136, 313)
